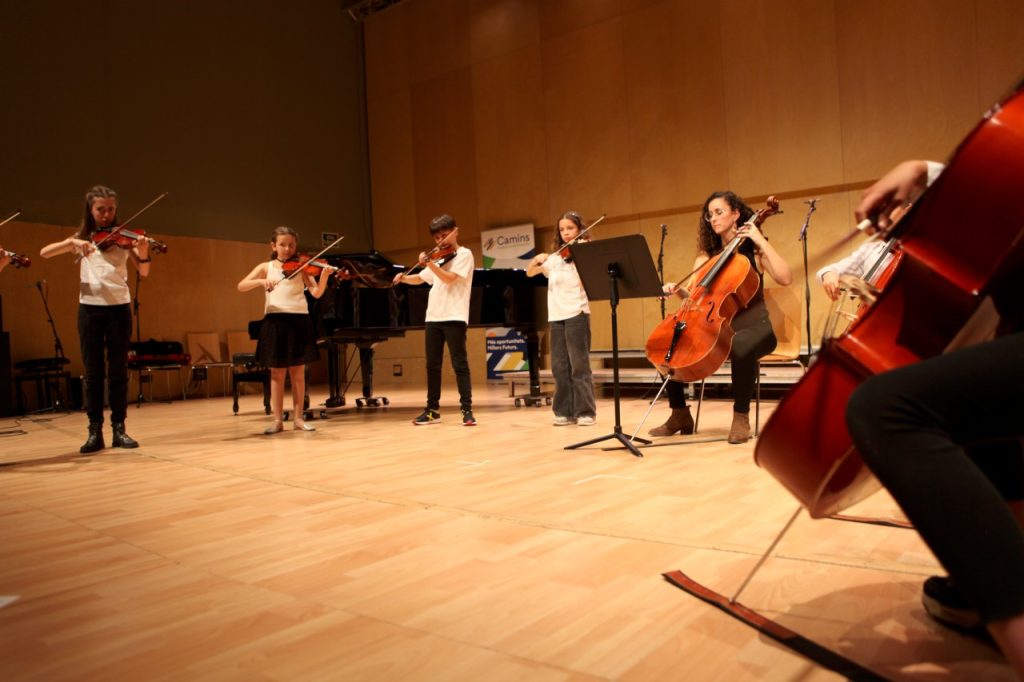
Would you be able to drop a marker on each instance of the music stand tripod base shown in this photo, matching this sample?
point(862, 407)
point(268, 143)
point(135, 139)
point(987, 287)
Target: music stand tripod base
point(612, 269)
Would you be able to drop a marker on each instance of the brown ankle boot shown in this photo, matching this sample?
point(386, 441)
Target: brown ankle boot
point(739, 432)
point(680, 420)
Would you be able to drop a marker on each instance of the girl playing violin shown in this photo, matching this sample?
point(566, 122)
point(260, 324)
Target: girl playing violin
point(104, 314)
point(287, 340)
point(724, 217)
point(569, 317)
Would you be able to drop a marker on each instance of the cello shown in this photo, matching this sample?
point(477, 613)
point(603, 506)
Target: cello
point(693, 342)
point(946, 281)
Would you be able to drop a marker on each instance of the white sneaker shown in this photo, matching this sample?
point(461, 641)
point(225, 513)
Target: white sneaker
point(585, 421)
point(561, 421)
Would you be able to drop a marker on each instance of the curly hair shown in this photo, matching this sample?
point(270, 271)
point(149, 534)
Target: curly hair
point(707, 240)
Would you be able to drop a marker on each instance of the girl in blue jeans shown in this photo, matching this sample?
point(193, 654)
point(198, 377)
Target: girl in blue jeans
point(569, 317)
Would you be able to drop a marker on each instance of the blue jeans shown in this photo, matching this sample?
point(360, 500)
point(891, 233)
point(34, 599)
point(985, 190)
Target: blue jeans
point(570, 364)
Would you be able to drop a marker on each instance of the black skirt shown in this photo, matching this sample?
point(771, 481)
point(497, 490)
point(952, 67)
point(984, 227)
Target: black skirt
point(286, 340)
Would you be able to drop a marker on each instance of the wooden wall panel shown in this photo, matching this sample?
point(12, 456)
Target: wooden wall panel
point(641, 108)
point(510, 144)
point(908, 76)
point(587, 130)
point(501, 26)
point(1000, 37)
point(386, 41)
point(392, 174)
point(676, 108)
point(438, 38)
point(781, 92)
point(567, 16)
point(443, 152)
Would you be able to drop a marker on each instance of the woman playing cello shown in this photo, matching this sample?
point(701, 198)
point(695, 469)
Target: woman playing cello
point(724, 217)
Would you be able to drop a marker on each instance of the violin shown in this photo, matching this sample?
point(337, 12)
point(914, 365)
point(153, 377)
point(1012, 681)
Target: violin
point(443, 252)
point(293, 266)
point(565, 252)
point(694, 341)
point(125, 239)
point(18, 260)
point(439, 255)
point(944, 283)
point(314, 266)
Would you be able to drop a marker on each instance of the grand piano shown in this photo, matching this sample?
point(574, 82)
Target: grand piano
point(362, 309)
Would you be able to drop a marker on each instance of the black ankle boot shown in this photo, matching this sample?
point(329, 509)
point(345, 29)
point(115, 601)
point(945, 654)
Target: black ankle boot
point(94, 443)
point(122, 439)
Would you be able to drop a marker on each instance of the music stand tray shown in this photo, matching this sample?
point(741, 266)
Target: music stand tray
point(614, 269)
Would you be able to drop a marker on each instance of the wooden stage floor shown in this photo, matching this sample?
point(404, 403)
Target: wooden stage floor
point(375, 550)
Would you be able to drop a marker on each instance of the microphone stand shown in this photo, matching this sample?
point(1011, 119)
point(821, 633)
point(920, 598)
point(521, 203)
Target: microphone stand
point(58, 347)
point(661, 278)
point(135, 307)
point(55, 371)
point(661, 264)
point(138, 337)
point(807, 274)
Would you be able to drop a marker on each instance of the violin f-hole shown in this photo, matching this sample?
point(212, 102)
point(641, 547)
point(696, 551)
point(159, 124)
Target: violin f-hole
point(711, 309)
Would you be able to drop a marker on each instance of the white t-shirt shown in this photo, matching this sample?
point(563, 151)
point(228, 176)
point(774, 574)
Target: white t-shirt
point(450, 302)
point(566, 296)
point(103, 277)
point(864, 257)
point(860, 261)
point(287, 296)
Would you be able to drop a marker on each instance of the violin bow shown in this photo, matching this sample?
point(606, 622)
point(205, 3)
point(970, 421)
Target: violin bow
point(116, 230)
point(455, 231)
point(306, 264)
point(11, 217)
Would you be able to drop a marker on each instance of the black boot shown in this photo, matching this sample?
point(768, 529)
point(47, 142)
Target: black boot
point(122, 439)
point(94, 443)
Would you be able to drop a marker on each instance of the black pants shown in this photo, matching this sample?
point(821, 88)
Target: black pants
point(454, 334)
point(754, 339)
point(105, 328)
point(943, 435)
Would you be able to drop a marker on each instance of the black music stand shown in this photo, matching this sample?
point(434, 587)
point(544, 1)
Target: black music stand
point(612, 269)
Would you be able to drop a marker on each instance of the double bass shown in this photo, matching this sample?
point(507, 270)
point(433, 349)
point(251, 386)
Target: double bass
point(949, 278)
point(694, 341)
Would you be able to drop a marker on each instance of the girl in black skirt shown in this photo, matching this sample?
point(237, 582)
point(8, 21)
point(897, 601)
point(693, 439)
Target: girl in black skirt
point(287, 341)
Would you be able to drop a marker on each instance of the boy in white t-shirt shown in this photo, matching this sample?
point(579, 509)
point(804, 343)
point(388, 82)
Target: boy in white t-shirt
point(448, 269)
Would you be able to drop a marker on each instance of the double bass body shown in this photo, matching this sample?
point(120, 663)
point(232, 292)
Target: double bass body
point(948, 270)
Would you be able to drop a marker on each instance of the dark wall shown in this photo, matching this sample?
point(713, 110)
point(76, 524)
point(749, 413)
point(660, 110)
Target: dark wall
point(249, 112)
